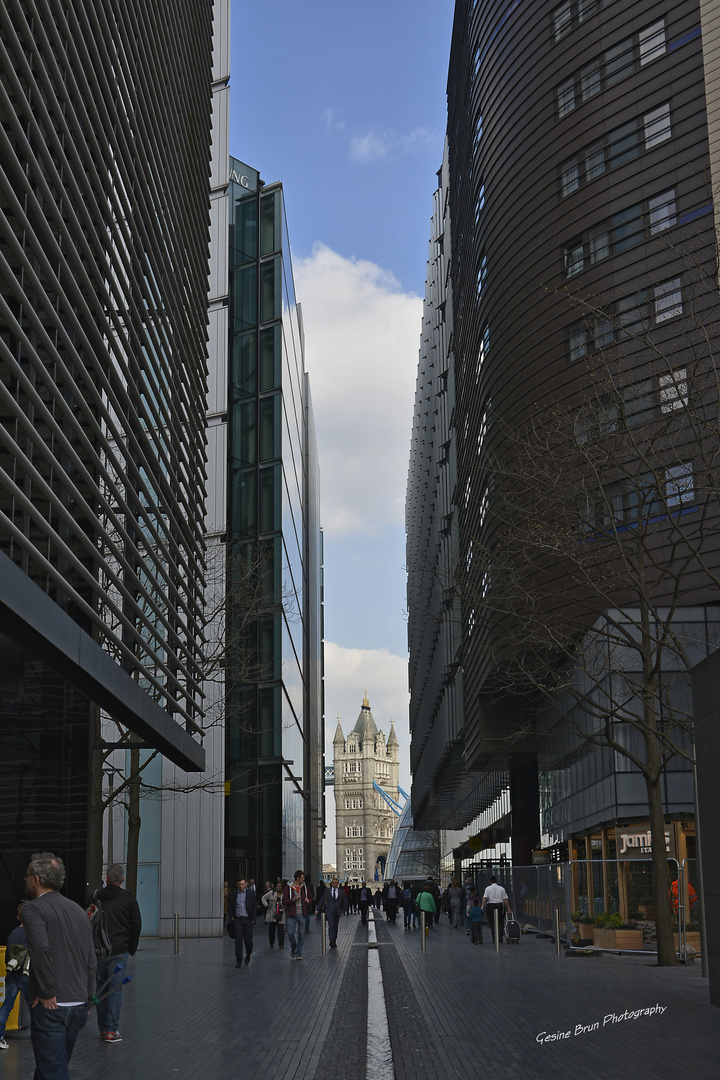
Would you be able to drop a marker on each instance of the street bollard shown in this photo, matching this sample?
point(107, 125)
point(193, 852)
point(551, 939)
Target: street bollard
point(423, 935)
point(496, 917)
point(557, 932)
point(323, 921)
point(176, 932)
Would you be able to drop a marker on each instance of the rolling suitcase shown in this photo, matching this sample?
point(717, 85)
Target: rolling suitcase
point(512, 931)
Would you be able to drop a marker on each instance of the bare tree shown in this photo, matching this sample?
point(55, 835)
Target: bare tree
point(240, 589)
point(599, 526)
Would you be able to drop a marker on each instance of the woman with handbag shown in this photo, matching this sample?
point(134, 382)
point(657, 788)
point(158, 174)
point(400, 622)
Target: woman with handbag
point(275, 916)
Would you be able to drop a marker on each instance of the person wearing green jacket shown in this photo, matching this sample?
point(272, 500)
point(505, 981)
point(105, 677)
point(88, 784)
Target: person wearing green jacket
point(425, 901)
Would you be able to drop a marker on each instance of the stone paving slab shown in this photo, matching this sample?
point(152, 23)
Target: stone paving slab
point(458, 1011)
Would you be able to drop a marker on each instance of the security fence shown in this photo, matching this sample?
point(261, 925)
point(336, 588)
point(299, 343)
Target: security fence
point(585, 891)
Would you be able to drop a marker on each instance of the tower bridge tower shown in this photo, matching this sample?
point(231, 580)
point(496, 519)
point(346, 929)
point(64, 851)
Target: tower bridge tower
point(364, 821)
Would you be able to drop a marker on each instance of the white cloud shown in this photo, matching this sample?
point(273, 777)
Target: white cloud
point(331, 123)
point(372, 147)
point(362, 337)
point(369, 147)
point(348, 674)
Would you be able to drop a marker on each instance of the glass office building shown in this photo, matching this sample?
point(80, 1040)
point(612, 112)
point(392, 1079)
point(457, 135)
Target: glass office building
point(274, 818)
point(103, 329)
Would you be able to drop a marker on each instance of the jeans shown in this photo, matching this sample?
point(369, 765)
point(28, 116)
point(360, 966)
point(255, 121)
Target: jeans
point(407, 914)
point(108, 1010)
point(14, 985)
point(53, 1033)
point(295, 925)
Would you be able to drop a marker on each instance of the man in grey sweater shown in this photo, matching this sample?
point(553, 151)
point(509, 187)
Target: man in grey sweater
point(62, 966)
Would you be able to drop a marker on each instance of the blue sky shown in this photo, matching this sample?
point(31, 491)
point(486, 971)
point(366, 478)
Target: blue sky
point(345, 104)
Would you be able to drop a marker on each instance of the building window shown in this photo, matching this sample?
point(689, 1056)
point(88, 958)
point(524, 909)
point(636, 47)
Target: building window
point(621, 504)
point(651, 42)
point(656, 126)
point(673, 390)
point(485, 501)
point(569, 14)
point(622, 231)
point(484, 584)
point(484, 424)
point(679, 490)
point(469, 556)
point(610, 67)
point(482, 274)
point(479, 203)
point(619, 146)
point(477, 134)
point(667, 300)
point(662, 212)
point(630, 316)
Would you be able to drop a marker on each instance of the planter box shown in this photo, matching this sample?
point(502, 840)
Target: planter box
point(606, 938)
point(586, 930)
point(692, 937)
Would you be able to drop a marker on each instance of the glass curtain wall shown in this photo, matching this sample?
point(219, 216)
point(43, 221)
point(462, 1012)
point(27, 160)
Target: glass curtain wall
point(265, 620)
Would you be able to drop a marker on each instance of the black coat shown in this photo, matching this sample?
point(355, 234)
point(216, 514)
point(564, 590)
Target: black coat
point(124, 921)
point(331, 906)
point(250, 903)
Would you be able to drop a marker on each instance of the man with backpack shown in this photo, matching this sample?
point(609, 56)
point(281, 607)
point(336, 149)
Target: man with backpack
point(17, 963)
point(120, 918)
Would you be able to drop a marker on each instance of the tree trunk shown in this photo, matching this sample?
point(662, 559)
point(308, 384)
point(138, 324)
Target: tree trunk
point(134, 822)
point(663, 914)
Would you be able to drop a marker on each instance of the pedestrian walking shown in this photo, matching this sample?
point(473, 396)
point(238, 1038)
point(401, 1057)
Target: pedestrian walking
point(16, 973)
point(495, 899)
point(275, 916)
point(434, 888)
point(311, 905)
point(470, 893)
point(455, 898)
point(407, 905)
point(319, 893)
point(334, 903)
point(242, 907)
point(426, 902)
point(123, 923)
point(296, 899)
point(391, 895)
point(476, 917)
point(365, 899)
point(62, 966)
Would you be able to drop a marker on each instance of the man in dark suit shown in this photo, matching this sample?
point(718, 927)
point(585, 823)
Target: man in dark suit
point(62, 965)
point(242, 906)
point(335, 904)
point(365, 898)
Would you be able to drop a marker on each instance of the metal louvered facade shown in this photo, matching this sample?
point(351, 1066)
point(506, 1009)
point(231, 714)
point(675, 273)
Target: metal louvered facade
point(582, 167)
point(105, 140)
point(105, 136)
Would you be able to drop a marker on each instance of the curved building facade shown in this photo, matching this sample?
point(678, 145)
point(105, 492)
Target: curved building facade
point(581, 211)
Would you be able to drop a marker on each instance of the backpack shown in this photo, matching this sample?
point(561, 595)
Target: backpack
point(98, 925)
point(17, 960)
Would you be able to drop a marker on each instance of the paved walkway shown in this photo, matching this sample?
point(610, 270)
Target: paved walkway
point(458, 1011)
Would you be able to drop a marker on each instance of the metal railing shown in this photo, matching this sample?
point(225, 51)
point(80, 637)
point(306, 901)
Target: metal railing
point(545, 898)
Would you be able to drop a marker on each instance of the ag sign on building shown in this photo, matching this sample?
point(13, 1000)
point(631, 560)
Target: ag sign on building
point(635, 842)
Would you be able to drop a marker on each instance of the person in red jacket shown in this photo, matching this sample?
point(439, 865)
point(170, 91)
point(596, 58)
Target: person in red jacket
point(296, 899)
